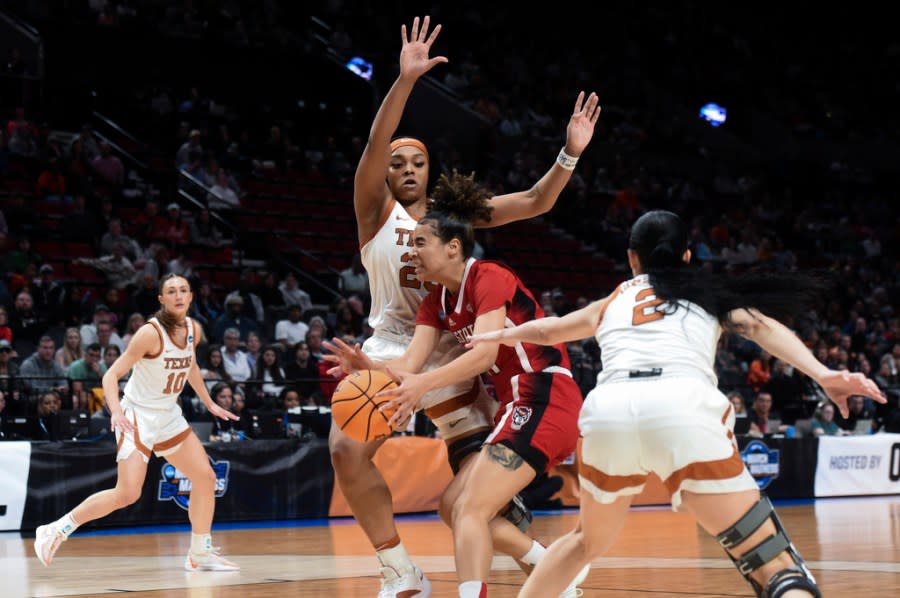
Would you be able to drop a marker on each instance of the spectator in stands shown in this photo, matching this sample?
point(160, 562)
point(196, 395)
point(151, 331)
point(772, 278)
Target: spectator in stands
point(110, 355)
point(175, 231)
point(252, 348)
point(26, 324)
point(293, 330)
point(119, 270)
point(109, 168)
point(194, 143)
point(6, 332)
point(70, 351)
point(293, 294)
point(303, 370)
point(823, 423)
point(48, 405)
point(786, 387)
point(181, 264)
point(145, 300)
point(86, 374)
point(114, 235)
point(271, 374)
point(354, 279)
point(314, 341)
point(760, 371)
point(40, 373)
point(89, 332)
point(234, 359)
point(762, 413)
point(204, 232)
point(221, 196)
point(215, 367)
point(233, 318)
point(150, 226)
point(10, 383)
point(861, 418)
point(270, 295)
point(51, 182)
point(135, 321)
point(108, 337)
point(19, 258)
point(48, 294)
point(223, 431)
point(252, 306)
point(205, 307)
point(88, 140)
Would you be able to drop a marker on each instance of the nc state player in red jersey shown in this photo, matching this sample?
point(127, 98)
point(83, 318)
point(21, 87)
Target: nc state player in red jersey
point(537, 424)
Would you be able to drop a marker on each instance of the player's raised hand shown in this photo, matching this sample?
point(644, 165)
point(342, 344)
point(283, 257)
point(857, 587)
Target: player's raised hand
point(414, 60)
point(580, 129)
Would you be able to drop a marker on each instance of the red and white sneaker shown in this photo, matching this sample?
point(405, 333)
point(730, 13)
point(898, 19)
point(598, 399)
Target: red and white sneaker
point(47, 540)
point(208, 561)
point(410, 585)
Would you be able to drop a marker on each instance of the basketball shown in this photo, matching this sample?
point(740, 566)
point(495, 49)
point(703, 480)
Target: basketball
point(354, 406)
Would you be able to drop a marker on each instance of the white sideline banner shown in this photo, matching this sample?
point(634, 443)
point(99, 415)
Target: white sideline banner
point(15, 461)
point(858, 465)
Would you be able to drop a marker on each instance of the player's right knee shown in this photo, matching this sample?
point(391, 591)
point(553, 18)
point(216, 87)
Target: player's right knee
point(797, 577)
point(127, 496)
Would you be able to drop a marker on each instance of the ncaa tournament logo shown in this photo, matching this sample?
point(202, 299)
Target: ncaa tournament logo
point(175, 486)
point(762, 462)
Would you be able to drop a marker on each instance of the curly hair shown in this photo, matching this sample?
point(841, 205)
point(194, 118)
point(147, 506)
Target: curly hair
point(457, 202)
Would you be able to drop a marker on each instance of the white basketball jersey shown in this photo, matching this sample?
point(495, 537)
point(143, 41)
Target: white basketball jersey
point(157, 381)
point(640, 332)
point(396, 292)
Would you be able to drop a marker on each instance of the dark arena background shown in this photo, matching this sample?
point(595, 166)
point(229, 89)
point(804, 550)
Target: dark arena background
point(219, 140)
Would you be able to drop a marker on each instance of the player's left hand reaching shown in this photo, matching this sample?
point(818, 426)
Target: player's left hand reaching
point(580, 129)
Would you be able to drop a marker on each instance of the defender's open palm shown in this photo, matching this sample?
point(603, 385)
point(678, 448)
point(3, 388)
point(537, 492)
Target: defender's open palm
point(581, 125)
point(840, 385)
point(346, 359)
point(414, 60)
point(223, 413)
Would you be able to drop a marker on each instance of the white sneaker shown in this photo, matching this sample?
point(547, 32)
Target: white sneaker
point(410, 585)
point(208, 561)
point(572, 591)
point(47, 540)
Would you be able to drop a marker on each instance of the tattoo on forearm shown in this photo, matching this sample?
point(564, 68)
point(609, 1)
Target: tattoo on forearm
point(504, 456)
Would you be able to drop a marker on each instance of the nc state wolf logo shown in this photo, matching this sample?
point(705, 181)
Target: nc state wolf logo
point(520, 417)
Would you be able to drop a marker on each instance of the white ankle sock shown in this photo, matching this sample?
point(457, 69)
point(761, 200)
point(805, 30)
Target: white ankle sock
point(472, 589)
point(66, 524)
point(201, 543)
point(396, 558)
point(534, 554)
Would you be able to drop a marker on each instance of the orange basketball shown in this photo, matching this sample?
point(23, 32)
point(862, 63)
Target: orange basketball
point(354, 406)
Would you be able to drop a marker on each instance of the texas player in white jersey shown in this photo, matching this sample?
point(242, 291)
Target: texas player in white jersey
point(656, 407)
point(149, 418)
point(390, 196)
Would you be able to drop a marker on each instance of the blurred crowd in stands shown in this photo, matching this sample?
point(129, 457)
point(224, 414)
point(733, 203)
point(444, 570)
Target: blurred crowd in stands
point(801, 178)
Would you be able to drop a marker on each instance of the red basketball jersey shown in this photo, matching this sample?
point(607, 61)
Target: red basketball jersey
point(486, 286)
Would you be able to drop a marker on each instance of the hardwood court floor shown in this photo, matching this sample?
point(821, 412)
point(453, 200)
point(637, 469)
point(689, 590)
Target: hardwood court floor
point(852, 546)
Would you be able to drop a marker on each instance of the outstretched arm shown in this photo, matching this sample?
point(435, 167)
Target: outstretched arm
point(576, 325)
point(777, 339)
point(370, 190)
point(543, 195)
point(346, 359)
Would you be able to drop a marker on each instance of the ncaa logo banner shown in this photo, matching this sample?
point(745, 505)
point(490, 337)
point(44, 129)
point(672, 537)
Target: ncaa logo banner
point(175, 486)
point(762, 462)
point(857, 465)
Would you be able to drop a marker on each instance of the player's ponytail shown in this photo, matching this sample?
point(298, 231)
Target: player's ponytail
point(660, 239)
point(457, 202)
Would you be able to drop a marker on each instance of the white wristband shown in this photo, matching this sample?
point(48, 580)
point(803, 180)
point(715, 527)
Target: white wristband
point(565, 160)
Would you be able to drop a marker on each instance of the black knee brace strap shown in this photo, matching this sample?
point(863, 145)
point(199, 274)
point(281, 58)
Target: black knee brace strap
point(517, 513)
point(793, 577)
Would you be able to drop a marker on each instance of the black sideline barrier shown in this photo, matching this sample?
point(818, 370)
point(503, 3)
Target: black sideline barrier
point(259, 479)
